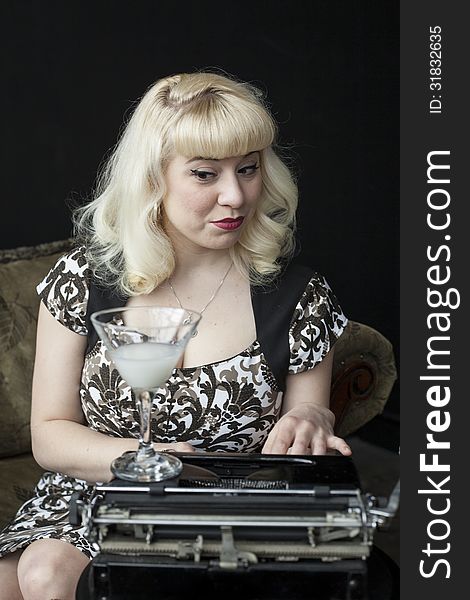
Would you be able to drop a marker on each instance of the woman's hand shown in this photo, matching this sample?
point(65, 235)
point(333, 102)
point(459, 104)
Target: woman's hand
point(305, 429)
point(306, 424)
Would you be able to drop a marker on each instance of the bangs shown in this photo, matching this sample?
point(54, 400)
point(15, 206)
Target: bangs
point(214, 128)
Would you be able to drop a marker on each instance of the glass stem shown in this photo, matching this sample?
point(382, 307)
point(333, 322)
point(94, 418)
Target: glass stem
point(144, 406)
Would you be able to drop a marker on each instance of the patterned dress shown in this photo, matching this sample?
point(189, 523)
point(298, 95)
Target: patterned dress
point(229, 405)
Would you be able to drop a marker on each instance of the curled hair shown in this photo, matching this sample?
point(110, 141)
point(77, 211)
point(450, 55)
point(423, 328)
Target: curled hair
point(198, 114)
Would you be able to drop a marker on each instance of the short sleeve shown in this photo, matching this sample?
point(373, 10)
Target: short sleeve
point(317, 323)
point(65, 290)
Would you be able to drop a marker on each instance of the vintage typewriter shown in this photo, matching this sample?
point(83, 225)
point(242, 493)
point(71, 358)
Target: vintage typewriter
point(249, 526)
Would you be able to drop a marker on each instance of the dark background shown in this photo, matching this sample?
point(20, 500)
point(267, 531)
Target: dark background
point(74, 70)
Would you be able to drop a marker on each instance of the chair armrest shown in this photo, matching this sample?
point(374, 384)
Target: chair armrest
point(364, 372)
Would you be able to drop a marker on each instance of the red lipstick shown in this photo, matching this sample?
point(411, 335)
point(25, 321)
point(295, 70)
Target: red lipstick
point(228, 224)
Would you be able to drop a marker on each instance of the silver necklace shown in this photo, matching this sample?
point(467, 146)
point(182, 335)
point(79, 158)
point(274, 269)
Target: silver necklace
point(221, 283)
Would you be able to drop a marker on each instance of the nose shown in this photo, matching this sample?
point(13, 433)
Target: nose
point(231, 192)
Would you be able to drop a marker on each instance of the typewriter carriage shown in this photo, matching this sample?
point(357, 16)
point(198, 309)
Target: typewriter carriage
point(233, 510)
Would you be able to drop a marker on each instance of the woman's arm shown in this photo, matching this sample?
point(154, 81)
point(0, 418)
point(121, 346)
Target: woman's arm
point(60, 439)
point(306, 423)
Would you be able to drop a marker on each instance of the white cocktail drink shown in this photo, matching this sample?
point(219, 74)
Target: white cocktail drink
point(147, 365)
point(145, 343)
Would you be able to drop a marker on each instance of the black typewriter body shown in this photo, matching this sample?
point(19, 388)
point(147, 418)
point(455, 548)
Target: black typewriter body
point(254, 527)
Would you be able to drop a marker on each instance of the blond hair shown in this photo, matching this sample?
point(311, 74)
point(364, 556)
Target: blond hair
point(198, 114)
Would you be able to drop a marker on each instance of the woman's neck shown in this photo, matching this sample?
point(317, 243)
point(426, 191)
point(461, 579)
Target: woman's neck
point(191, 259)
point(189, 264)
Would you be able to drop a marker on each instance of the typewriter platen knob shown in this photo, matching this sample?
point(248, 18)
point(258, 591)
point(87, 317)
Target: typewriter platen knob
point(382, 510)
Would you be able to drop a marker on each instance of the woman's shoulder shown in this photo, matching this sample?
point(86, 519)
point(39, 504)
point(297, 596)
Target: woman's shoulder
point(72, 264)
point(65, 289)
point(312, 289)
point(296, 312)
point(75, 259)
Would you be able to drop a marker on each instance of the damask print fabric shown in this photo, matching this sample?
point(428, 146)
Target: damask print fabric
point(230, 405)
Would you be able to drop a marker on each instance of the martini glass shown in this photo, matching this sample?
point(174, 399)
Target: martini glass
point(145, 343)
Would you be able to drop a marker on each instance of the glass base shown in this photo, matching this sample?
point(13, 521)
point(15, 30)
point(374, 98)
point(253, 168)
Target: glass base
point(157, 467)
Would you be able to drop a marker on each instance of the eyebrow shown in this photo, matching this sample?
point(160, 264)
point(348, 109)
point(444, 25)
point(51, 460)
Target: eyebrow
point(217, 159)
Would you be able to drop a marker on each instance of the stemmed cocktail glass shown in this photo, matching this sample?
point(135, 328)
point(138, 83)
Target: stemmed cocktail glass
point(145, 343)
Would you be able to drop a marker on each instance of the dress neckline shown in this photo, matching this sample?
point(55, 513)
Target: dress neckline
point(246, 351)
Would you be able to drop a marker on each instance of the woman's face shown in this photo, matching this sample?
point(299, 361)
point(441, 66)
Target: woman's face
point(208, 201)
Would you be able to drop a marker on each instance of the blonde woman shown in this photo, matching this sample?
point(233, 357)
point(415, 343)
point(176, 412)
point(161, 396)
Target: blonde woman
point(194, 208)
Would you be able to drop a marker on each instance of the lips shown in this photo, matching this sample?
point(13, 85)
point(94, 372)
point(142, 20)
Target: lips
point(228, 224)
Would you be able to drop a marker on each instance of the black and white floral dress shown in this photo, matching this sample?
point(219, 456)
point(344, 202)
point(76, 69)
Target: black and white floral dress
point(230, 405)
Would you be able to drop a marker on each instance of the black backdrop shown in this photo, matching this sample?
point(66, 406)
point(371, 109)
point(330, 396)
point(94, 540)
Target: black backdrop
point(331, 72)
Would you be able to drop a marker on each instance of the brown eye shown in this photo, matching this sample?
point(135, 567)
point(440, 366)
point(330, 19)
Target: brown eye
point(202, 175)
point(249, 169)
